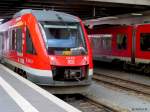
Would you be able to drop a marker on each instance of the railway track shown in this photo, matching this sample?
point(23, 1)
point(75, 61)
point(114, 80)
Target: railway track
point(122, 83)
point(84, 104)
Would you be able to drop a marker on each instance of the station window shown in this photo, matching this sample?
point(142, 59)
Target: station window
point(19, 40)
point(145, 41)
point(29, 44)
point(121, 41)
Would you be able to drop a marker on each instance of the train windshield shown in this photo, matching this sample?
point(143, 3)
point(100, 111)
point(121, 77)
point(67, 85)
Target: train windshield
point(63, 38)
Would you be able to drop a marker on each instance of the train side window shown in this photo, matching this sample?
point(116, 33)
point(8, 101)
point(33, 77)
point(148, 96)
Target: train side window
point(13, 39)
point(29, 44)
point(3, 36)
point(19, 40)
point(145, 41)
point(10, 39)
point(121, 41)
point(106, 43)
point(1, 43)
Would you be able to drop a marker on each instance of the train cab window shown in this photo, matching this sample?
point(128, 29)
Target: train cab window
point(29, 44)
point(145, 41)
point(121, 41)
point(63, 36)
point(19, 40)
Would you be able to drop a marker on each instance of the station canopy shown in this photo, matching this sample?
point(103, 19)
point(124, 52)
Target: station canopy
point(85, 9)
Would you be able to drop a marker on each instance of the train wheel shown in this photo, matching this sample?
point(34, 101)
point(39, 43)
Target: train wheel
point(24, 74)
point(147, 69)
point(125, 66)
point(20, 72)
point(15, 69)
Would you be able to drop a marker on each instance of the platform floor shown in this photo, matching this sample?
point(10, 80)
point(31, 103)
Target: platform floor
point(117, 99)
point(20, 95)
point(140, 78)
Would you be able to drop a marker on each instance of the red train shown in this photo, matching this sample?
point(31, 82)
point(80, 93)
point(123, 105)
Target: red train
point(49, 47)
point(127, 44)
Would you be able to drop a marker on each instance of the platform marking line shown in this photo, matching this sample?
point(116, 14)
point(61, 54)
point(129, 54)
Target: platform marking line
point(52, 98)
point(20, 100)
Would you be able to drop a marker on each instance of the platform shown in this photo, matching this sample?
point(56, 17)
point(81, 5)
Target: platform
point(119, 100)
point(140, 78)
point(20, 95)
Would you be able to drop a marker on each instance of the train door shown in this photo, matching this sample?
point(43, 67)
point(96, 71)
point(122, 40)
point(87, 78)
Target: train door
point(12, 44)
point(123, 43)
point(20, 44)
point(143, 44)
point(30, 52)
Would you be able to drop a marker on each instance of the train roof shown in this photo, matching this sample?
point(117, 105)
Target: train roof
point(48, 15)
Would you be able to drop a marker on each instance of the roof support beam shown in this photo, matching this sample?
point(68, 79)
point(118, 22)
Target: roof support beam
point(134, 2)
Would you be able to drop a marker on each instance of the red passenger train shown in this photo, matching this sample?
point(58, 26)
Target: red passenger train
point(128, 44)
point(49, 47)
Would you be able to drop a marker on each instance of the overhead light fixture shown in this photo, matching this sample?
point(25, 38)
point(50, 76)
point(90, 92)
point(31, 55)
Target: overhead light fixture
point(108, 18)
point(136, 14)
point(100, 19)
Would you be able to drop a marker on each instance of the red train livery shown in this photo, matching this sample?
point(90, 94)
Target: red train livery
point(129, 44)
point(49, 47)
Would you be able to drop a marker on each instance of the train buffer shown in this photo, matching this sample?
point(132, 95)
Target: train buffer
point(20, 95)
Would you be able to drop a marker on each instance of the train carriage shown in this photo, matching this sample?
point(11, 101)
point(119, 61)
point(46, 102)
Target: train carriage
point(114, 43)
point(49, 47)
point(122, 43)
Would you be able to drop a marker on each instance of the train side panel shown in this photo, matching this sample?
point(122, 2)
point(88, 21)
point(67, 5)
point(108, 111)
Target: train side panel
point(122, 43)
point(113, 43)
point(142, 53)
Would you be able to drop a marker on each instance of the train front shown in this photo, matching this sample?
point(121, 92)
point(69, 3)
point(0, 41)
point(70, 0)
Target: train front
point(69, 52)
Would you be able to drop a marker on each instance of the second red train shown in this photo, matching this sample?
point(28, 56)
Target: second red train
point(127, 44)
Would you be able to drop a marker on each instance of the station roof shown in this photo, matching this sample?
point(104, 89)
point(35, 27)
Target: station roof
point(85, 9)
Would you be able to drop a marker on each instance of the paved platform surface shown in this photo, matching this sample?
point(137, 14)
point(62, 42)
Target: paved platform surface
point(119, 100)
point(140, 78)
point(20, 95)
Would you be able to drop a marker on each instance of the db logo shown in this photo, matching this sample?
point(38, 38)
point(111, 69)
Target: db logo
point(70, 62)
